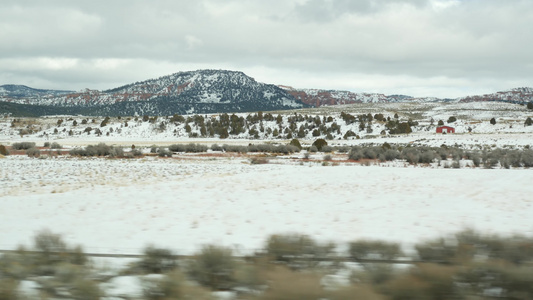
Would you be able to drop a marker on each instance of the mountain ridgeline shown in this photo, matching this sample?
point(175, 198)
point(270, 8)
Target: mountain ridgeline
point(201, 92)
point(204, 91)
point(22, 91)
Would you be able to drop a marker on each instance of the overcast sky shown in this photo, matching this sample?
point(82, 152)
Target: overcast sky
point(443, 48)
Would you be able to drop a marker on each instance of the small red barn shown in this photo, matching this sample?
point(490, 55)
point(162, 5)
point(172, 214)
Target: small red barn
point(445, 129)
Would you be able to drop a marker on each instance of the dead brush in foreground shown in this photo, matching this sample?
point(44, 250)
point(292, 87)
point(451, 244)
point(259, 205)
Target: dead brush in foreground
point(284, 283)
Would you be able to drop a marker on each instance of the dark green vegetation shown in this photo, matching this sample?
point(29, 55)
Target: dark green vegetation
point(161, 106)
point(257, 125)
point(22, 91)
point(26, 110)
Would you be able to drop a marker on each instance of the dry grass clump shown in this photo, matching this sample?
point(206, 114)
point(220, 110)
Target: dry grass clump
point(8, 289)
point(172, 285)
point(258, 160)
point(284, 283)
point(425, 281)
point(3, 150)
point(290, 285)
point(98, 150)
point(33, 152)
point(190, 148)
point(359, 292)
point(23, 145)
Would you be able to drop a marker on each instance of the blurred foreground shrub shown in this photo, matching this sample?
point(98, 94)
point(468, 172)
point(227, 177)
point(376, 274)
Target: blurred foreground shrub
point(297, 250)
point(424, 281)
point(157, 260)
point(172, 286)
point(214, 267)
point(367, 249)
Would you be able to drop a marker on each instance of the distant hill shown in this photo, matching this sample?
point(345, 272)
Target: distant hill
point(316, 97)
point(22, 91)
point(203, 91)
point(516, 95)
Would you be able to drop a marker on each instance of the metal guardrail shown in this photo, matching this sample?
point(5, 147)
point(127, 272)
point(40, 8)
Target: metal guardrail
point(112, 255)
point(335, 258)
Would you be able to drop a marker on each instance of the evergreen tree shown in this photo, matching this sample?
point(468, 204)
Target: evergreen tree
point(301, 132)
point(223, 133)
point(319, 144)
point(203, 131)
point(404, 128)
point(296, 143)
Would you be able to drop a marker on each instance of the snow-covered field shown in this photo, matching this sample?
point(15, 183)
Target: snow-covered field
point(509, 130)
point(120, 206)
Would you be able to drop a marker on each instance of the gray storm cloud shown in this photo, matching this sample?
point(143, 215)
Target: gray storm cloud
point(445, 48)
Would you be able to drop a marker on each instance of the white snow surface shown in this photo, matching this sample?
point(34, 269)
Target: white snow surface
point(120, 206)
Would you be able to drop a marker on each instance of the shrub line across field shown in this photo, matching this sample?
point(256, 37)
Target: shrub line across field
point(486, 157)
point(180, 256)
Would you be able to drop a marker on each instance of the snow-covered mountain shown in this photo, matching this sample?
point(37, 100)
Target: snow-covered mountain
point(22, 91)
point(202, 86)
point(317, 97)
point(516, 95)
point(202, 91)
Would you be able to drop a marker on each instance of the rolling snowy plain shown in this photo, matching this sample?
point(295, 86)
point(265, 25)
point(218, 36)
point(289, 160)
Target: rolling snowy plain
point(187, 201)
point(120, 206)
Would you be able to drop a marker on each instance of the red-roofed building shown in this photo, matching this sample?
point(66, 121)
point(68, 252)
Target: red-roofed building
point(445, 129)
